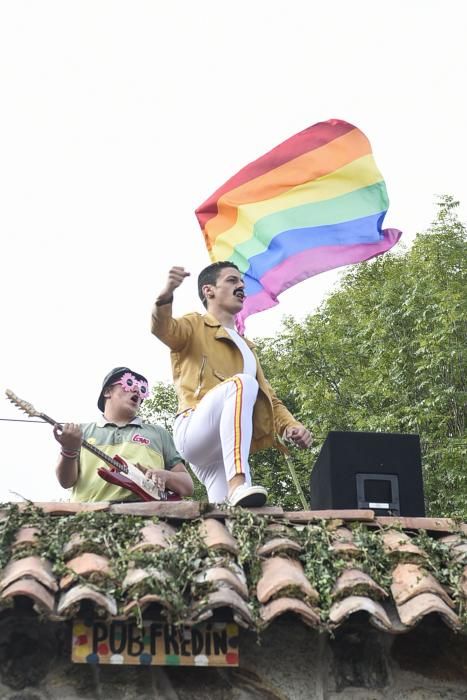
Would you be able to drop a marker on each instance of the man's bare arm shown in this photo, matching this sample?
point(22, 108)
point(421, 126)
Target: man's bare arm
point(70, 437)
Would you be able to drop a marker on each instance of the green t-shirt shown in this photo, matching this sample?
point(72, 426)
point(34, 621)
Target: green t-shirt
point(149, 445)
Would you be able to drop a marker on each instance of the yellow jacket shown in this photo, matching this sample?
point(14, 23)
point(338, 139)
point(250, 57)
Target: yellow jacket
point(203, 355)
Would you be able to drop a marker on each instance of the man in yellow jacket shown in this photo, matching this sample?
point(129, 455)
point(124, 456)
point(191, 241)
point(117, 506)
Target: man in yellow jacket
point(227, 409)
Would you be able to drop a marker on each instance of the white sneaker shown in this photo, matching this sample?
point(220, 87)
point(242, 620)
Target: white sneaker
point(248, 496)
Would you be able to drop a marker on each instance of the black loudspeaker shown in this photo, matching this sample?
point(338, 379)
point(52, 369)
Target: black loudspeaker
point(381, 471)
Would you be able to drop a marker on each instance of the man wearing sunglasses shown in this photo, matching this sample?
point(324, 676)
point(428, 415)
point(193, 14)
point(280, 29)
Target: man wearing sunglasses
point(119, 432)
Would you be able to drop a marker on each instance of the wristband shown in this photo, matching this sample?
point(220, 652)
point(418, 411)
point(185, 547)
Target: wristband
point(166, 301)
point(69, 454)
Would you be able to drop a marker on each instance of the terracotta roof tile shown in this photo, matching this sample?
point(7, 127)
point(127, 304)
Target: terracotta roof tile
point(451, 540)
point(356, 582)
point(418, 607)
point(409, 523)
point(172, 510)
point(217, 536)
point(29, 567)
point(87, 565)
point(81, 542)
point(400, 544)
point(423, 574)
point(43, 599)
point(280, 573)
point(459, 552)
point(74, 545)
point(456, 546)
point(26, 537)
point(68, 507)
point(224, 512)
point(70, 601)
point(139, 605)
point(279, 544)
point(308, 516)
point(343, 544)
point(154, 536)
point(409, 580)
point(136, 576)
point(281, 606)
point(342, 534)
point(223, 598)
point(343, 609)
point(222, 576)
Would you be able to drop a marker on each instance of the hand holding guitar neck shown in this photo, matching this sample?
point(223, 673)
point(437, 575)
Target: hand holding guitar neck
point(70, 437)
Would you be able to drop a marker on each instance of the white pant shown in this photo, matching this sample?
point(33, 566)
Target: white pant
point(215, 437)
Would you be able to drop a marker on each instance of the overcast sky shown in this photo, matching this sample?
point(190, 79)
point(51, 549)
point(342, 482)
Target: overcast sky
point(119, 118)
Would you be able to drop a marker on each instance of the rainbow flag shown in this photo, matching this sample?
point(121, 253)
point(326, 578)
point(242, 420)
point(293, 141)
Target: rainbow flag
point(315, 202)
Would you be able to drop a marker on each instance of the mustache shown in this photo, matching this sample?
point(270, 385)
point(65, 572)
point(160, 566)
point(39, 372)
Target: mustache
point(239, 289)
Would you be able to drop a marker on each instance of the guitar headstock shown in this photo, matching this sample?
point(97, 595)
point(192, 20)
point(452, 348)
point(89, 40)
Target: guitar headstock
point(21, 404)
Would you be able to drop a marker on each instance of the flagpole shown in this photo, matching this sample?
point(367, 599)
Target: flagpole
point(283, 448)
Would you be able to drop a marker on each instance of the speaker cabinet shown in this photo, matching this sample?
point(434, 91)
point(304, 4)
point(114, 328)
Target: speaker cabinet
point(381, 471)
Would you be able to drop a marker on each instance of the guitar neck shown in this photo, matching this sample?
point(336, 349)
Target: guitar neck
point(92, 448)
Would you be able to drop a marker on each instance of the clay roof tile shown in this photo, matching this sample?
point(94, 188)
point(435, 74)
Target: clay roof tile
point(343, 609)
point(409, 580)
point(29, 567)
point(419, 606)
point(279, 573)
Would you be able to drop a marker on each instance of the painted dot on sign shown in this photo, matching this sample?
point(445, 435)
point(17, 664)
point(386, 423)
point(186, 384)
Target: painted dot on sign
point(232, 658)
point(82, 639)
point(201, 660)
point(116, 659)
point(172, 660)
point(103, 649)
point(145, 659)
point(80, 653)
point(92, 659)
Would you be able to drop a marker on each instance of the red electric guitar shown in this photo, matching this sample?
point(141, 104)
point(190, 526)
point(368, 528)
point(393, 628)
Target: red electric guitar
point(121, 473)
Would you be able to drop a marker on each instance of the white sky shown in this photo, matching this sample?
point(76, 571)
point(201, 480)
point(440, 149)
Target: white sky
point(117, 119)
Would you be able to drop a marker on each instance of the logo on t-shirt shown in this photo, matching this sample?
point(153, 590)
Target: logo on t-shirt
point(141, 439)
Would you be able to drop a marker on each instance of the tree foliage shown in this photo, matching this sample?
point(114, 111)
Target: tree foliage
point(384, 352)
point(161, 406)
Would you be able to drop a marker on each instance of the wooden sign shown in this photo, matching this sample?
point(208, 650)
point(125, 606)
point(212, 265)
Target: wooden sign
point(154, 643)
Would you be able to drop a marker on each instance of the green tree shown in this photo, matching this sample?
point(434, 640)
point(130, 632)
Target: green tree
point(384, 352)
point(161, 406)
